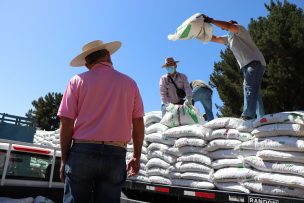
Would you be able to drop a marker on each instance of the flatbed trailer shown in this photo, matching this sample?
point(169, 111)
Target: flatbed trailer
point(151, 192)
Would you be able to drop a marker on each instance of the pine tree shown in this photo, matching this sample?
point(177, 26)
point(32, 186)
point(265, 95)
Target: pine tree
point(280, 37)
point(45, 111)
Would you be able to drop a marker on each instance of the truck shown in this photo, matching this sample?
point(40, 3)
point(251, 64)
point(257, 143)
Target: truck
point(27, 169)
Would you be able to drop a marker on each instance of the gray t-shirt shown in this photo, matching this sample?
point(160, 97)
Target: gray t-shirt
point(243, 48)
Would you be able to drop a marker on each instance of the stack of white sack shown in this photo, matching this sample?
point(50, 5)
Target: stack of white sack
point(150, 119)
point(280, 140)
point(193, 27)
point(47, 138)
point(192, 168)
point(223, 139)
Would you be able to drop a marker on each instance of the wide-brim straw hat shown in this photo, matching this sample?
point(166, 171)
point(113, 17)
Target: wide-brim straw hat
point(170, 62)
point(92, 47)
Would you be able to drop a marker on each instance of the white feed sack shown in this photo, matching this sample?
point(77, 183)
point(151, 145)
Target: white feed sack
point(192, 150)
point(157, 163)
point(155, 171)
point(156, 127)
point(193, 27)
point(157, 146)
point(274, 190)
point(231, 153)
point(296, 117)
point(161, 155)
point(246, 126)
point(279, 129)
point(231, 186)
point(159, 138)
point(271, 155)
point(278, 167)
point(194, 167)
point(195, 142)
point(225, 163)
point(225, 122)
point(196, 158)
point(292, 181)
point(139, 178)
point(187, 131)
point(151, 118)
point(233, 174)
point(160, 180)
point(179, 115)
point(222, 144)
point(279, 143)
point(228, 134)
point(195, 176)
point(193, 183)
point(173, 151)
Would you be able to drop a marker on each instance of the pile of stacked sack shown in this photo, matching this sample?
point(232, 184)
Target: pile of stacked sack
point(47, 138)
point(263, 155)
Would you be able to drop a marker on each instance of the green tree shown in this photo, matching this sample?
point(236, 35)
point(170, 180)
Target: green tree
point(280, 37)
point(45, 111)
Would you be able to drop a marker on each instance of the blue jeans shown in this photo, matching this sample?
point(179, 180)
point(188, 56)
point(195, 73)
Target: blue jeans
point(204, 95)
point(253, 103)
point(94, 170)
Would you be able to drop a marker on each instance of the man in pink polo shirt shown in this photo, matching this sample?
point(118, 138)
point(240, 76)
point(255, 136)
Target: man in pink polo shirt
point(101, 110)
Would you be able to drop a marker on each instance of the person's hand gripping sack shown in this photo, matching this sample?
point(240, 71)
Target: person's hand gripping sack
point(188, 101)
point(207, 19)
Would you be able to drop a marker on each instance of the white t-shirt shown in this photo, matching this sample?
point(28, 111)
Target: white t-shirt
point(243, 48)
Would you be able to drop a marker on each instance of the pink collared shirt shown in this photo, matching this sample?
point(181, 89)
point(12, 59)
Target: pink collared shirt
point(103, 102)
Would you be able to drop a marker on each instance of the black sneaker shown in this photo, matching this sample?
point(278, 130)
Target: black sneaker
point(205, 117)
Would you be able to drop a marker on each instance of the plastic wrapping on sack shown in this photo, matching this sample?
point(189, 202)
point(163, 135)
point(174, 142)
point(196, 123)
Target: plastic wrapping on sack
point(279, 129)
point(280, 143)
point(278, 167)
point(197, 158)
point(193, 27)
point(271, 155)
point(296, 117)
point(179, 115)
point(274, 190)
point(292, 181)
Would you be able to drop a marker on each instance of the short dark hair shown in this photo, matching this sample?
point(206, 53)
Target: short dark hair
point(233, 21)
point(95, 56)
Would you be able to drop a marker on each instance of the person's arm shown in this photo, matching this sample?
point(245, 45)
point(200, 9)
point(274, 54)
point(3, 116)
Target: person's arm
point(225, 25)
point(138, 137)
point(163, 91)
point(221, 40)
point(66, 133)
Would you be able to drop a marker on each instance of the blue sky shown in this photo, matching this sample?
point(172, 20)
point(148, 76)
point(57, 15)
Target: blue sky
point(39, 38)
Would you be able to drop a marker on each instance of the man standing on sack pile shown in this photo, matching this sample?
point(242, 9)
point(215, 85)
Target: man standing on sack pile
point(250, 60)
point(174, 86)
point(203, 92)
point(97, 112)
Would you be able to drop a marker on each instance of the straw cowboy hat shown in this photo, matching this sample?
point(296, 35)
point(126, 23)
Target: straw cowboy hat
point(92, 47)
point(170, 62)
